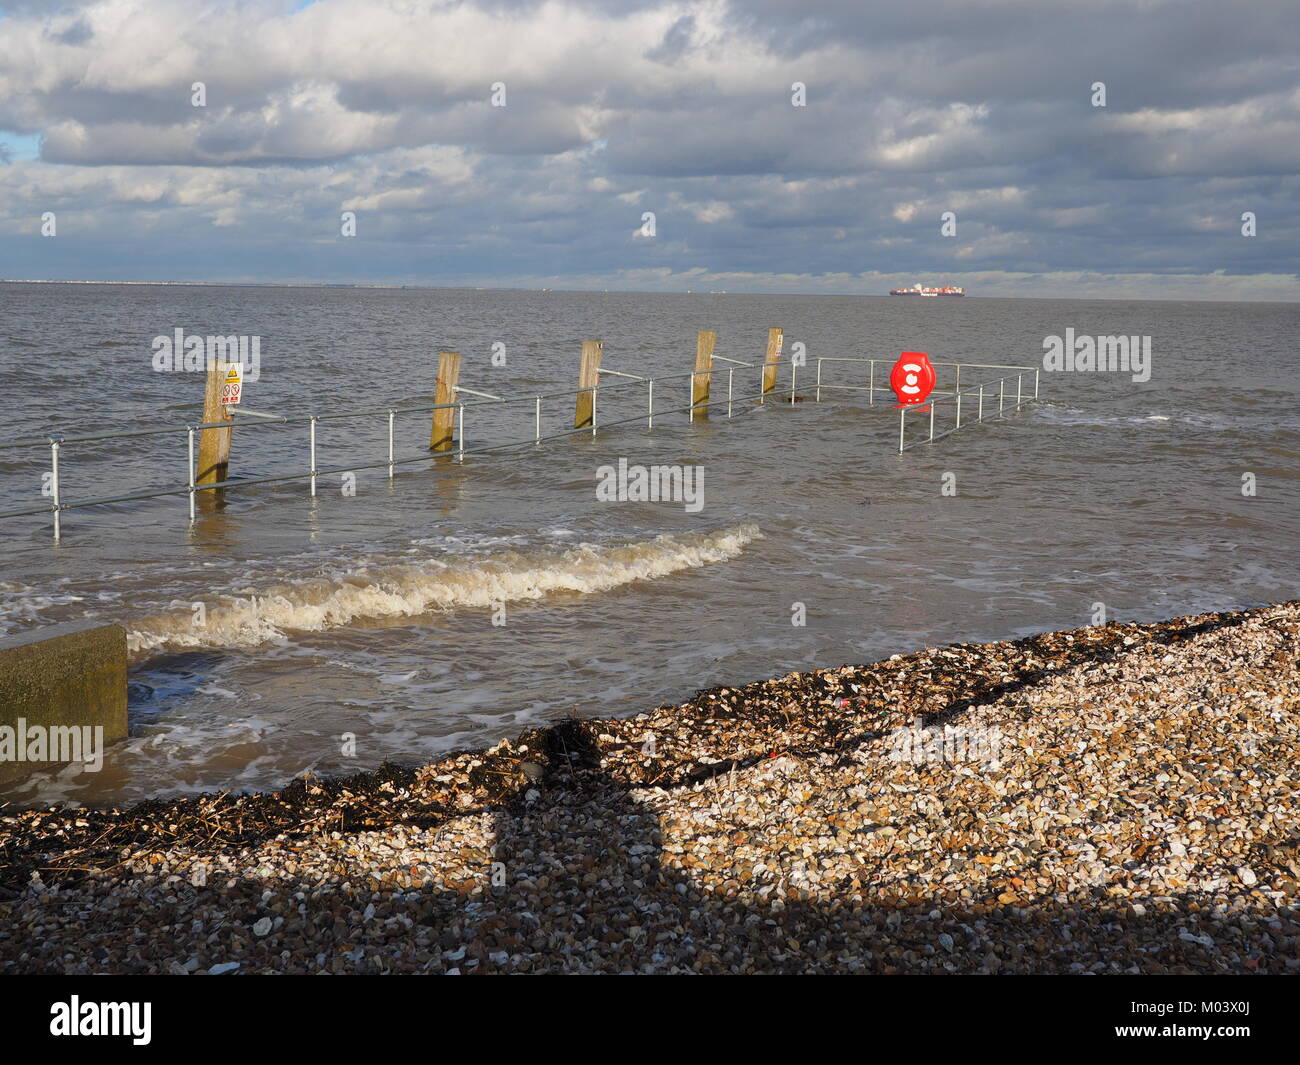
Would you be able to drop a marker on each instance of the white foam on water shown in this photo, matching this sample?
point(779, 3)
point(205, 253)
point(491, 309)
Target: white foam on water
point(411, 589)
point(1062, 414)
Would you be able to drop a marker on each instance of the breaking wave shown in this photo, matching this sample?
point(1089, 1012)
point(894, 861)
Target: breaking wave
point(410, 589)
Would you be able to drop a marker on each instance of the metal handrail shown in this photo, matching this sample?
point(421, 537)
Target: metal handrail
point(484, 395)
point(56, 441)
point(955, 398)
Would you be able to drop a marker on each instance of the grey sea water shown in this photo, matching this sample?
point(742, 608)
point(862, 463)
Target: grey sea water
point(371, 615)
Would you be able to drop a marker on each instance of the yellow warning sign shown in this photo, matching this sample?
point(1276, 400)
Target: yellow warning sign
point(233, 387)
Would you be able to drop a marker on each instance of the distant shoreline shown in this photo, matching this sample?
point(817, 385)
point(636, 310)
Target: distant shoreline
point(377, 286)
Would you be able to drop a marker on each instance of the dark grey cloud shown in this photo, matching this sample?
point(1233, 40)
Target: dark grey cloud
point(615, 109)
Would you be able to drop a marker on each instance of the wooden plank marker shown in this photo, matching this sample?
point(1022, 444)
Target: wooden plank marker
point(214, 444)
point(704, 343)
point(588, 377)
point(775, 338)
point(444, 419)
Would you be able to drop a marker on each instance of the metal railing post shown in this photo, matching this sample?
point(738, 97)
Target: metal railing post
point(391, 416)
point(793, 369)
point(189, 434)
point(957, 386)
point(871, 384)
point(902, 414)
point(54, 483)
point(191, 486)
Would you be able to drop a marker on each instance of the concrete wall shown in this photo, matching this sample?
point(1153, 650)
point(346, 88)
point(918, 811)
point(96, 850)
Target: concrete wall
point(60, 676)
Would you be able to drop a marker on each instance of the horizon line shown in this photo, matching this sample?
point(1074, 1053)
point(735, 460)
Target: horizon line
point(392, 286)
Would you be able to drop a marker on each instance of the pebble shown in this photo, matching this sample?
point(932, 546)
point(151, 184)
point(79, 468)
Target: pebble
point(1120, 798)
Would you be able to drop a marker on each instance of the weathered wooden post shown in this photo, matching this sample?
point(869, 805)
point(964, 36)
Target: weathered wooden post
point(775, 338)
point(703, 377)
point(440, 437)
point(588, 377)
point(214, 444)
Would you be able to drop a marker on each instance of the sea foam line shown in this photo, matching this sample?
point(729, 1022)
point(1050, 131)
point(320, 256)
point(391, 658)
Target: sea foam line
point(411, 589)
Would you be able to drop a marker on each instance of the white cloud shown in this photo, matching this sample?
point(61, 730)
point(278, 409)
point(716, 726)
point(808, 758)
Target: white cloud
point(383, 106)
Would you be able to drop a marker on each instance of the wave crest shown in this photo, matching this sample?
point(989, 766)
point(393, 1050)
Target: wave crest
point(412, 589)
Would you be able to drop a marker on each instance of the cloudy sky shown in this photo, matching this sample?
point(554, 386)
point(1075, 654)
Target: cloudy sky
point(615, 108)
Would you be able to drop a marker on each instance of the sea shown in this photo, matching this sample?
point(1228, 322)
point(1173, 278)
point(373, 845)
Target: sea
point(462, 600)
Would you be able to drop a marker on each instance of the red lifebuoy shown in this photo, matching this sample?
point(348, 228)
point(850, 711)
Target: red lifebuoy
point(912, 378)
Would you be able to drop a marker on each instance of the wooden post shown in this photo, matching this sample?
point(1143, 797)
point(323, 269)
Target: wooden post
point(704, 342)
point(440, 437)
point(588, 377)
point(775, 338)
point(214, 444)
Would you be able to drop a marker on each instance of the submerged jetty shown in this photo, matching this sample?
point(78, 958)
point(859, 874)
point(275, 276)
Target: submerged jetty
point(1115, 799)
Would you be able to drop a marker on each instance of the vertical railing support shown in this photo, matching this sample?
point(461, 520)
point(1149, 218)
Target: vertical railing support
point(537, 421)
point(1002, 387)
point(588, 376)
point(313, 455)
point(980, 415)
point(731, 376)
point(54, 485)
point(902, 414)
point(871, 383)
point(189, 447)
point(650, 403)
point(214, 444)
point(819, 381)
point(391, 415)
point(460, 431)
point(1018, 376)
point(775, 339)
point(1035, 384)
point(443, 398)
point(793, 369)
point(932, 406)
point(702, 378)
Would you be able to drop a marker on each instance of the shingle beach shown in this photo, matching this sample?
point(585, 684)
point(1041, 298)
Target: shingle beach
point(1116, 799)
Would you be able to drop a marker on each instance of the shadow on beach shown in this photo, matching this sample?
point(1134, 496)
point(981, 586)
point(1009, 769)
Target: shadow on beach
point(587, 889)
point(560, 856)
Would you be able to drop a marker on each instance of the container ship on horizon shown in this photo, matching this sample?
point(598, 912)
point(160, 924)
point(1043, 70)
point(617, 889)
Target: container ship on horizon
point(920, 290)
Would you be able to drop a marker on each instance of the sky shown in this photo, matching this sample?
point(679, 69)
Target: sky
point(987, 110)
